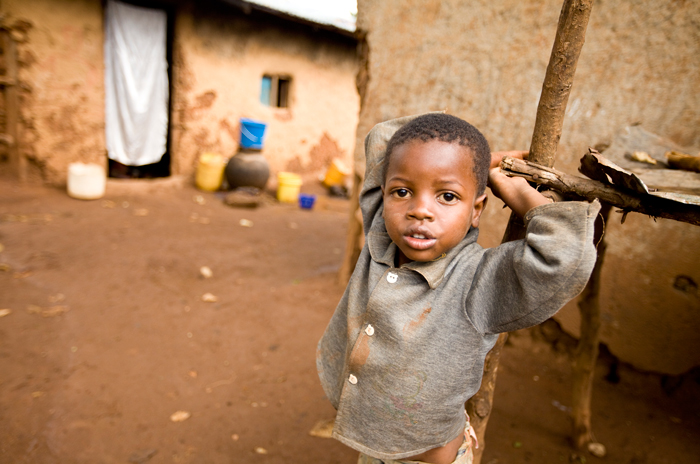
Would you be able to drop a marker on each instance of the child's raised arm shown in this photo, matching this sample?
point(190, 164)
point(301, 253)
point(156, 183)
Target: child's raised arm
point(515, 192)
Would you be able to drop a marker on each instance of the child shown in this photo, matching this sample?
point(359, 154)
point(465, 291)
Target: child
point(405, 348)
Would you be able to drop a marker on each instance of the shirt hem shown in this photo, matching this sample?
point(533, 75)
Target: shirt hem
point(393, 456)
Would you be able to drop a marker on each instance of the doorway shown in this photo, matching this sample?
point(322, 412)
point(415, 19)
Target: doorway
point(138, 88)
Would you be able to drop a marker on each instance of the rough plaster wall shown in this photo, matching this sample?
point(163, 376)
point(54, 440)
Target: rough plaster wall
point(485, 62)
point(61, 77)
point(218, 68)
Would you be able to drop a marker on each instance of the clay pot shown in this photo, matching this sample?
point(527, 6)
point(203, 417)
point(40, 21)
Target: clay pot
point(247, 169)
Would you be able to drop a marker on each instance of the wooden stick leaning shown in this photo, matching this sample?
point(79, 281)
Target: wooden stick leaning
point(571, 34)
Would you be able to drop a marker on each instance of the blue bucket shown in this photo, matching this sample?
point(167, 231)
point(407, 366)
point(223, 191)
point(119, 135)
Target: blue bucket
point(306, 201)
point(252, 133)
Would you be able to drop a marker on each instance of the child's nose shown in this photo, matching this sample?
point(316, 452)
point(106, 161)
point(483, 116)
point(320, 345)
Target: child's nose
point(421, 208)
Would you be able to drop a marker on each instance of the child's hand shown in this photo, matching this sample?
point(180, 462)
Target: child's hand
point(497, 156)
point(515, 192)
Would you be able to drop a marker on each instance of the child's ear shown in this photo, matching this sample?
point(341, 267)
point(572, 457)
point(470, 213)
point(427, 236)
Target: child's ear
point(479, 205)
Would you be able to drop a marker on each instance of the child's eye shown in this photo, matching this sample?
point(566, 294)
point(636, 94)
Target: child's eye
point(401, 193)
point(448, 198)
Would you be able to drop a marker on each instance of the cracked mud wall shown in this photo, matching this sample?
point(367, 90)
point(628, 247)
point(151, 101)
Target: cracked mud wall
point(61, 84)
point(485, 61)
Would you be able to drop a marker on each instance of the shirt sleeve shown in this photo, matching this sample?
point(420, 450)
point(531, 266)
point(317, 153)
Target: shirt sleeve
point(375, 157)
point(522, 283)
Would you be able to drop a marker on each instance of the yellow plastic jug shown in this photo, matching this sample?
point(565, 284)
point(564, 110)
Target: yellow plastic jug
point(288, 186)
point(210, 171)
point(336, 174)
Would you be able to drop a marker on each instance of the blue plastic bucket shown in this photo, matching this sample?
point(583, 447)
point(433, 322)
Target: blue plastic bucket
point(306, 201)
point(252, 133)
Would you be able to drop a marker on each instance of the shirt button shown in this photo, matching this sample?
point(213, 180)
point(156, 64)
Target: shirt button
point(369, 330)
point(352, 379)
point(392, 277)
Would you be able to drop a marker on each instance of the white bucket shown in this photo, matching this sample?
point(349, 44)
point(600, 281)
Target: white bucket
point(86, 181)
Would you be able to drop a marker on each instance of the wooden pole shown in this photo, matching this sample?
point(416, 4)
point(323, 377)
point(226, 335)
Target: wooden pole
point(9, 85)
point(587, 349)
point(355, 231)
point(571, 34)
point(479, 405)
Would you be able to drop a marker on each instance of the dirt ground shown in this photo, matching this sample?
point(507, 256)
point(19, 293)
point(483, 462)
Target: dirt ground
point(108, 336)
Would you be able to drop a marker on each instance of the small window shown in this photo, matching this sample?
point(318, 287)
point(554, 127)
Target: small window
point(275, 90)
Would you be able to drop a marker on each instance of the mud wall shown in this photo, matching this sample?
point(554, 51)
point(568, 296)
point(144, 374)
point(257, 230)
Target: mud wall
point(61, 76)
point(219, 57)
point(219, 63)
point(485, 62)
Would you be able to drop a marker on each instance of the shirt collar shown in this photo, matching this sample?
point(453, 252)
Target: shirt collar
point(383, 250)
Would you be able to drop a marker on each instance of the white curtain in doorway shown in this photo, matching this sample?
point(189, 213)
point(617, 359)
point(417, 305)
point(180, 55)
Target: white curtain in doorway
point(136, 83)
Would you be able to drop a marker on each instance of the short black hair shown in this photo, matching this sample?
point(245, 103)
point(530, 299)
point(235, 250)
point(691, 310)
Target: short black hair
point(450, 129)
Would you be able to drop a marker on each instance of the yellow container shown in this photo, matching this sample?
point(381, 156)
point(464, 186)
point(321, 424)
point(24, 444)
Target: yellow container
point(336, 174)
point(210, 171)
point(288, 186)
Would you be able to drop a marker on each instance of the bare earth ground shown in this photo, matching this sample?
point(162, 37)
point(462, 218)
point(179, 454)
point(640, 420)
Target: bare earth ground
point(108, 336)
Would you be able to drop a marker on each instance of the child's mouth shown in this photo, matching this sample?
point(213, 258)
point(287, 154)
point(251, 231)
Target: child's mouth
point(419, 241)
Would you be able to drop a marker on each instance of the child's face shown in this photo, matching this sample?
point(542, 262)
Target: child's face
point(430, 198)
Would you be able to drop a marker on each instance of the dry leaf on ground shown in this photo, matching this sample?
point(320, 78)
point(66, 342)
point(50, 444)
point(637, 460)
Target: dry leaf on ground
point(206, 272)
point(323, 428)
point(179, 416)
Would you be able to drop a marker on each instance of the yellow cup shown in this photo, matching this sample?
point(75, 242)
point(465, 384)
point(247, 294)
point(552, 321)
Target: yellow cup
point(288, 186)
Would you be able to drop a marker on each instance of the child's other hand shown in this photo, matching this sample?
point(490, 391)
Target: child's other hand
point(497, 156)
point(515, 192)
point(498, 182)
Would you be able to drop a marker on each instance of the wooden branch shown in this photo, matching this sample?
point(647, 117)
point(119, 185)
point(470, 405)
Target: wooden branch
point(683, 161)
point(11, 94)
point(355, 227)
point(479, 405)
point(571, 34)
point(627, 200)
point(586, 353)
point(354, 236)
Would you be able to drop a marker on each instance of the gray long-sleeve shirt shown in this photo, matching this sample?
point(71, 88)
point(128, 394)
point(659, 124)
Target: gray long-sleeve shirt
point(405, 348)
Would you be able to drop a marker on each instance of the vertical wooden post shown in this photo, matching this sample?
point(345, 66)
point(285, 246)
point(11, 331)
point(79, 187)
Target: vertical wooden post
point(355, 231)
point(17, 162)
point(352, 248)
point(479, 405)
point(571, 34)
point(586, 353)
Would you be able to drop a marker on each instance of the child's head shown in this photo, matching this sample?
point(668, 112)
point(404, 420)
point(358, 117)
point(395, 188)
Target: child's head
point(435, 175)
point(450, 129)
